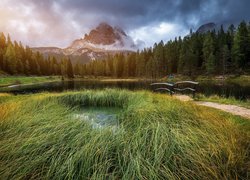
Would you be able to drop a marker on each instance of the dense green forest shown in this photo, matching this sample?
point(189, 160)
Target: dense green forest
point(220, 52)
point(15, 59)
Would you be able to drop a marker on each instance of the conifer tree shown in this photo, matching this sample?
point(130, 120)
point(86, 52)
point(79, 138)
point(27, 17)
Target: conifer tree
point(208, 54)
point(241, 46)
point(225, 59)
point(10, 59)
point(70, 73)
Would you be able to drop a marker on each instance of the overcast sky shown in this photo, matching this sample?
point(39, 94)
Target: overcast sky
point(59, 22)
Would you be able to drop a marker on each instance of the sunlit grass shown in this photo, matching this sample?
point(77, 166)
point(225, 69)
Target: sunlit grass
point(158, 138)
point(4, 94)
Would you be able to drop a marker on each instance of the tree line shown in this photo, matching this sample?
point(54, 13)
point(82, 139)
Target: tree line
point(213, 52)
point(15, 59)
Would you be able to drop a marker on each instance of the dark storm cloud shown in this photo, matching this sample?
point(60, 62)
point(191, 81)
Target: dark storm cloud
point(64, 20)
point(132, 13)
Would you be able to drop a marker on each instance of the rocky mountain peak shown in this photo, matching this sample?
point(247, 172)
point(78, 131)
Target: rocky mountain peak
point(104, 38)
point(105, 34)
point(101, 41)
point(207, 27)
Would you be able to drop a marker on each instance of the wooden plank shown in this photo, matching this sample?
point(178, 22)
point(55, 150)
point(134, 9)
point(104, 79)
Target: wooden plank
point(187, 82)
point(167, 84)
point(184, 89)
point(163, 89)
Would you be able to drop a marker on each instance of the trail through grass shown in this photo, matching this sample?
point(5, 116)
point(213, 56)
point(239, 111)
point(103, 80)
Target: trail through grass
point(230, 100)
point(158, 138)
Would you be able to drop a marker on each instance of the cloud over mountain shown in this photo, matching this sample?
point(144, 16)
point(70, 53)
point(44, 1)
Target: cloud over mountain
point(56, 22)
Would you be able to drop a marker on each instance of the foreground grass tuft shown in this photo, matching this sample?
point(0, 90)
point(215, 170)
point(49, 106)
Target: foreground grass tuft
point(158, 138)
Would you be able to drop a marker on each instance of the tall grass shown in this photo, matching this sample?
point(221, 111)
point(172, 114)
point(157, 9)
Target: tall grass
point(158, 138)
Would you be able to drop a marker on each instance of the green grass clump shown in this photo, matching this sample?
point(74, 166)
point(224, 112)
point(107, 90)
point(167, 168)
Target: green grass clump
point(158, 138)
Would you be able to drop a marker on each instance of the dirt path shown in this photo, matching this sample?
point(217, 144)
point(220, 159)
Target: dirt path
point(236, 110)
point(183, 97)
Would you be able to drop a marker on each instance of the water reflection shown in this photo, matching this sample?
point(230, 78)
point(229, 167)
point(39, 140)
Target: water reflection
point(207, 88)
point(99, 118)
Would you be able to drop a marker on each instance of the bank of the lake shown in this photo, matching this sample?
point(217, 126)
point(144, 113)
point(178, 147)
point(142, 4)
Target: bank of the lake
point(228, 89)
point(156, 137)
point(24, 80)
point(243, 80)
point(237, 79)
point(6, 80)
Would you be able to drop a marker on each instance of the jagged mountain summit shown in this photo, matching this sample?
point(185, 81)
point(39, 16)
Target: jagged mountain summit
point(207, 27)
point(102, 40)
point(105, 37)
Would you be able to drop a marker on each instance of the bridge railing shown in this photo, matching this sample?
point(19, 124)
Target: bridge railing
point(180, 86)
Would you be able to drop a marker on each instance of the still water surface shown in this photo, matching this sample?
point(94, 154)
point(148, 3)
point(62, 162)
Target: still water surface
point(99, 118)
point(223, 89)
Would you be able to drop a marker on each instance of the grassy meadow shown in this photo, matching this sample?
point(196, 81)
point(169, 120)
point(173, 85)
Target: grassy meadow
point(158, 137)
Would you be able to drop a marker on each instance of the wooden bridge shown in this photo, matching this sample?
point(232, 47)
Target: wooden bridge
point(180, 86)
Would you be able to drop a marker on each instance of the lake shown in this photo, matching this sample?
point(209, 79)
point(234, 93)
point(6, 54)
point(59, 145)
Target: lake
point(207, 88)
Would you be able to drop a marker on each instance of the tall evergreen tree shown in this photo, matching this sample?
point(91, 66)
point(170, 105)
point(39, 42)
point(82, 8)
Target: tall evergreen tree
point(70, 72)
point(241, 46)
point(225, 59)
point(9, 58)
point(208, 54)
